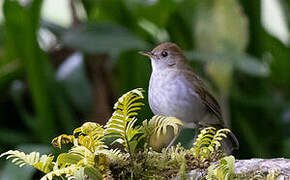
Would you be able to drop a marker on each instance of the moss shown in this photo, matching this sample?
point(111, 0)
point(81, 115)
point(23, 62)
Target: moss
point(149, 164)
point(259, 174)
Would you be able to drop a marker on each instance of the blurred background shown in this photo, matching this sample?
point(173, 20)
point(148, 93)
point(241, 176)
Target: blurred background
point(66, 62)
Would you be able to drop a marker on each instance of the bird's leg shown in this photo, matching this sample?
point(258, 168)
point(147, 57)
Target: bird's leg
point(173, 140)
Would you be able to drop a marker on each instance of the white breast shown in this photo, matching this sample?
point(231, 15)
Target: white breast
point(171, 95)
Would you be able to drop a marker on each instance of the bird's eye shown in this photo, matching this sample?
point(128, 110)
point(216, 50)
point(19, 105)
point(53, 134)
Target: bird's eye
point(164, 53)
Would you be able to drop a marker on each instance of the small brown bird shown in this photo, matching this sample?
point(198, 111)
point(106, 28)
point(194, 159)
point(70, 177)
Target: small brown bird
point(175, 90)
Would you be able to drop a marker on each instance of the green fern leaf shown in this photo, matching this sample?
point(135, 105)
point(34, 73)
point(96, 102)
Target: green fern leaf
point(90, 135)
point(224, 170)
point(93, 173)
point(158, 125)
point(123, 119)
point(62, 139)
point(65, 159)
point(219, 136)
point(68, 171)
point(86, 128)
point(87, 157)
point(208, 141)
point(113, 154)
point(80, 161)
point(43, 163)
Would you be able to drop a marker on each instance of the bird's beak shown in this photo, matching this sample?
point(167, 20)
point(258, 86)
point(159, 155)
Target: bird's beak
point(149, 54)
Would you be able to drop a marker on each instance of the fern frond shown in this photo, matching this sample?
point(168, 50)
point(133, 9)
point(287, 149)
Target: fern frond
point(113, 154)
point(217, 138)
point(43, 163)
point(158, 124)
point(81, 161)
point(208, 141)
point(68, 171)
point(90, 135)
point(86, 128)
point(62, 139)
point(87, 157)
point(225, 170)
point(122, 121)
point(131, 132)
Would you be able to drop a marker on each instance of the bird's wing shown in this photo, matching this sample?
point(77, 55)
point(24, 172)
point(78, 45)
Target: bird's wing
point(210, 102)
point(207, 99)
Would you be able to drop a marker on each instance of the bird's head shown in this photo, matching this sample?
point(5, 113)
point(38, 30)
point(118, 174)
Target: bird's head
point(166, 55)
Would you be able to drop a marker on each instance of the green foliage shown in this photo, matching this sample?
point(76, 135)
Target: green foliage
point(159, 165)
point(43, 163)
point(121, 124)
point(158, 125)
point(224, 170)
point(89, 135)
point(89, 156)
point(208, 142)
point(70, 163)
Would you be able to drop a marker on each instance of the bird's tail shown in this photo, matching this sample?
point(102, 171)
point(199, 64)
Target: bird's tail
point(230, 143)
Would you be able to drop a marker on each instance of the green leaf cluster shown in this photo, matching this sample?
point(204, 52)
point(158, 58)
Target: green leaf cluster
point(224, 170)
point(121, 124)
point(43, 163)
point(158, 125)
point(89, 156)
point(208, 142)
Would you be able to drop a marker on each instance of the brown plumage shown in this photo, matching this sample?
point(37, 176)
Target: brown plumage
point(175, 90)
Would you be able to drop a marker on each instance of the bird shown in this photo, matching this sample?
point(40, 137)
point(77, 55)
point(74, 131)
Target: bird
point(176, 91)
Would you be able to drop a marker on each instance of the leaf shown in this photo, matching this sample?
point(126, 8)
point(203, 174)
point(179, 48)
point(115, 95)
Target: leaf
point(87, 156)
point(158, 124)
point(70, 170)
point(123, 120)
point(225, 169)
point(113, 154)
point(68, 158)
point(93, 173)
point(62, 139)
point(80, 174)
point(89, 135)
point(86, 128)
point(101, 38)
point(208, 141)
point(43, 163)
